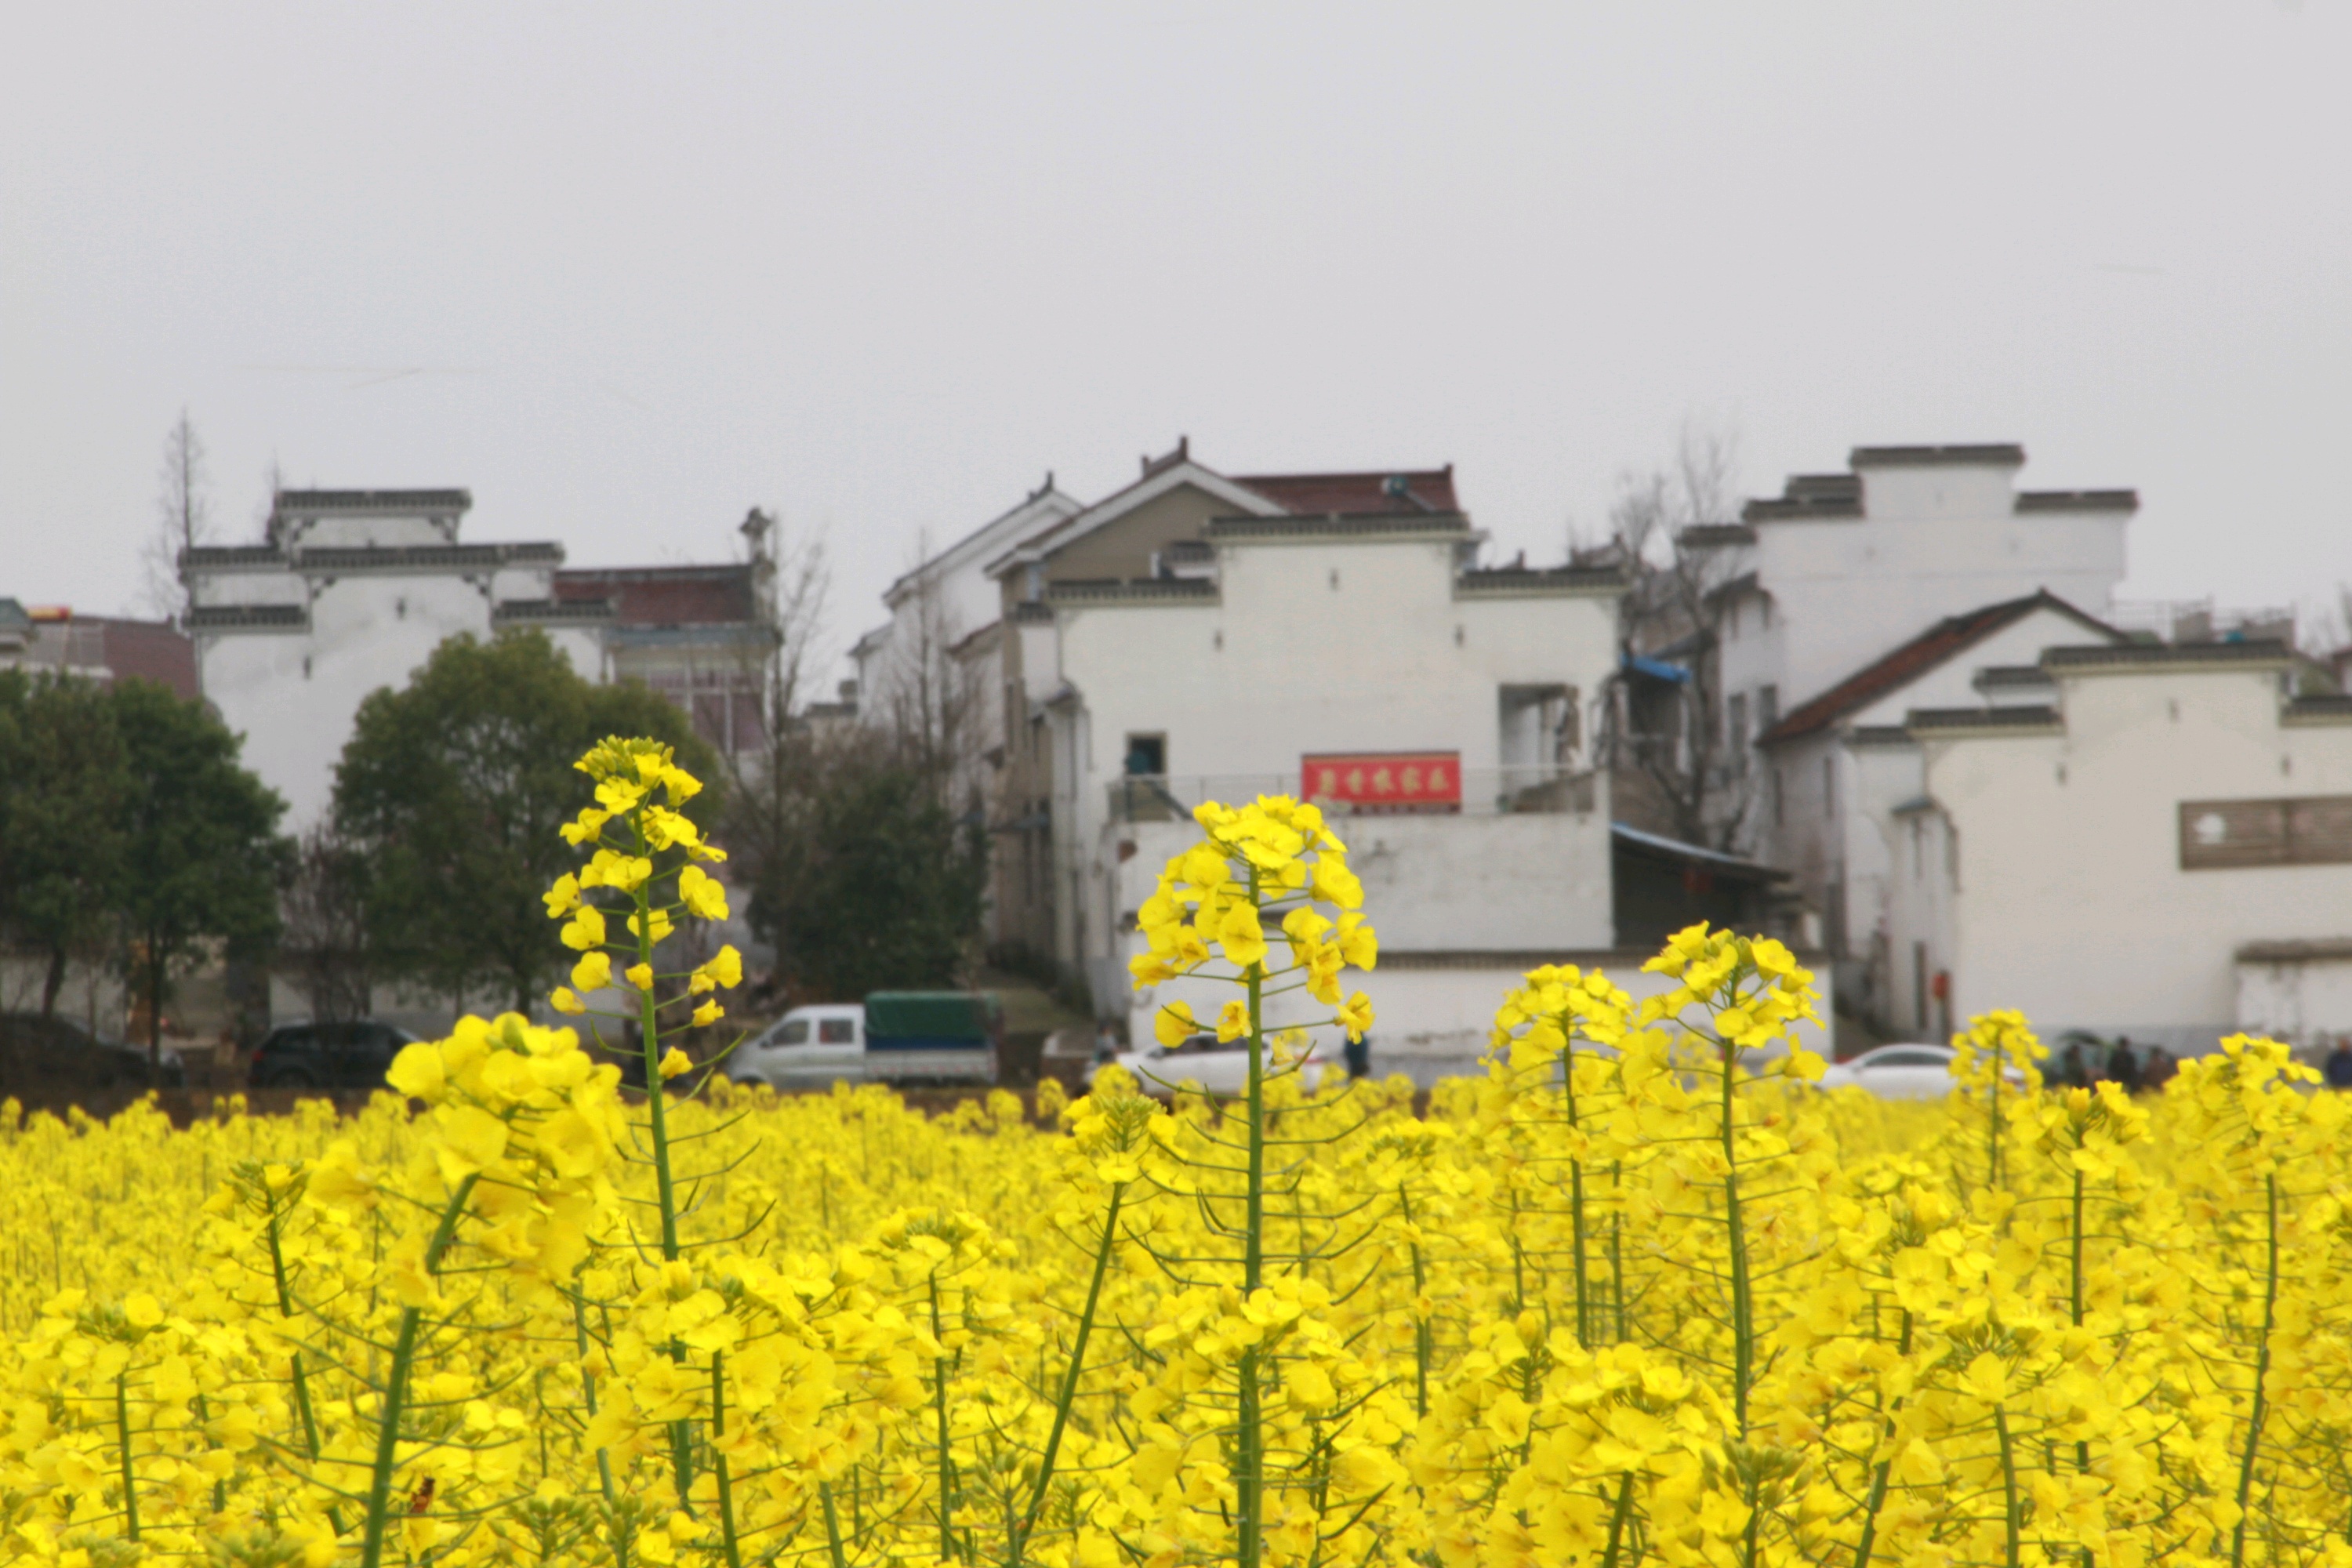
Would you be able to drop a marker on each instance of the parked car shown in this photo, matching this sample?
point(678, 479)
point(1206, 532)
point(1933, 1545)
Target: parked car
point(1902, 1071)
point(72, 1052)
point(1215, 1066)
point(328, 1056)
point(893, 1036)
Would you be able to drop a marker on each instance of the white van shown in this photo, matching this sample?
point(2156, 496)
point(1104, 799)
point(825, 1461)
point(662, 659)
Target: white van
point(808, 1047)
point(893, 1036)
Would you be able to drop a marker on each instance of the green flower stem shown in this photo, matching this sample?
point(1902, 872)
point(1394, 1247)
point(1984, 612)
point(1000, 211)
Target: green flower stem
point(1617, 1519)
point(649, 1033)
point(1420, 1338)
point(939, 1407)
point(1617, 1246)
point(1878, 1476)
point(1070, 1375)
point(1575, 1183)
point(1249, 1482)
point(2012, 1514)
point(1743, 1326)
point(301, 1381)
point(2259, 1409)
point(123, 1431)
point(2082, 1445)
point(588, 1387)
point(395, 1387)
point(832, 1526)
point(719, 1459)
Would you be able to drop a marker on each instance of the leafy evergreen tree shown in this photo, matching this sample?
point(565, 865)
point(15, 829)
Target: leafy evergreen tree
point(452, 790)
point(881, 887)
point(201, 855)
point(62, 821)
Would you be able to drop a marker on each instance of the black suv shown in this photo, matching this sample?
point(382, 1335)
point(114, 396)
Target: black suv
point(328, 1056)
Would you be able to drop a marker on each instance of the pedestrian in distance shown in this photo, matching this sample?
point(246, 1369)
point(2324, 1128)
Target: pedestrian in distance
point(2123, 1065)
point(2159, 1069)
point(2339, 1069)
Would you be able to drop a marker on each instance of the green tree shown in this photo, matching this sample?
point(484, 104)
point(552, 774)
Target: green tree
point(201, 851)
point(877, 886)
point(61, 821)
point(452, 790)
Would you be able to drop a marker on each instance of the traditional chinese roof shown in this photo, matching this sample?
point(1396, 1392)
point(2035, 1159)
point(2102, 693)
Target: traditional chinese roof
point(665, 596)
point(1931, 647)
point(1395, 491)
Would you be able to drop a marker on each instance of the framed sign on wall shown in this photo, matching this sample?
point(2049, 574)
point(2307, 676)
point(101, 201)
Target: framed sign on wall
point(1383, 781)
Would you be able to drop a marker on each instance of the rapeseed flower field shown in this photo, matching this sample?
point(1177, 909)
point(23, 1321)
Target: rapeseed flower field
point(1642, 1293)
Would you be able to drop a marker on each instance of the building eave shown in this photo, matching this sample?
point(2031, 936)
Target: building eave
point(1530, 583)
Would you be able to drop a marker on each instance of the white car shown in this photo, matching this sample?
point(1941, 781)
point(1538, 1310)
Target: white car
point(1219, 1068)
point(808, 1047)
point(1902, 1071)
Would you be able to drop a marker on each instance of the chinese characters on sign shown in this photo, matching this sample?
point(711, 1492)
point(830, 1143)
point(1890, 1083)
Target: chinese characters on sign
point(1385, 781)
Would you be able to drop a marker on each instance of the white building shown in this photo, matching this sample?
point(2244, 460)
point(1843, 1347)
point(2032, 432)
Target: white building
point(1199, 636)
point(353, 590)
point(940, 608)
point(1835, 770)
point(1842, 568)
point(2156, 844)
point(1854, 596)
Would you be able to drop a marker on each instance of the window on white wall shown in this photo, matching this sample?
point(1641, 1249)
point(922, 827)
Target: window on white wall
point(1829, 786)
point(1767, 705)
point(1147, 754)
point(1739, 731)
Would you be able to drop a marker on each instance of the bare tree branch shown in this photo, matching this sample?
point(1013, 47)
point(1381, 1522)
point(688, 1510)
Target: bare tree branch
point(183, 518)
point(1661, 722)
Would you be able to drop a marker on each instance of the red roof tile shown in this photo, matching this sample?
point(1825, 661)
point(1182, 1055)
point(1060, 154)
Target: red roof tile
point(1426, 489)
point(1922, 653)
point(663, 595)
point(152, 651)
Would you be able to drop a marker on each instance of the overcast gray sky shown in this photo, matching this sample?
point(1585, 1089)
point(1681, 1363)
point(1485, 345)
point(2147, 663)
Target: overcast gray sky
point(880, 268)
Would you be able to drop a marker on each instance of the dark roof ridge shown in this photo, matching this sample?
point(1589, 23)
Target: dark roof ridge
point(1960, 454)
point(321, 500)
point(1897, 667)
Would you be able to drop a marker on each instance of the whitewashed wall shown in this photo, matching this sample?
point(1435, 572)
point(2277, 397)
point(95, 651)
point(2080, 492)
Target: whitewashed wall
point(1932, 541)
point(1832, 826)
point(2069, 900)
point(293, 696)
point(1334, 645)
point(2305, 1002)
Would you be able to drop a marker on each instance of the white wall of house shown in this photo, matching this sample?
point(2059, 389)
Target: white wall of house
point(946, 599)
point(1825, 808)
point(292, 694)
point(2301, 997)
point(2062, 890)
point(1324, 646)
point(1933, 540)
point(1315, 645)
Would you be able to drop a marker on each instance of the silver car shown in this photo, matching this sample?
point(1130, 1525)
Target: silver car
point(1902, 1071)
point(1218, 1068)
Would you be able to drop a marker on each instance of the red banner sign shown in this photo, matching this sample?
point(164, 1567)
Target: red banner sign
point(1385, 781)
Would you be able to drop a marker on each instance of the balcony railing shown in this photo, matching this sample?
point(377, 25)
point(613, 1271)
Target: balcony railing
point(1485, 792)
